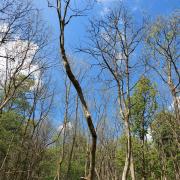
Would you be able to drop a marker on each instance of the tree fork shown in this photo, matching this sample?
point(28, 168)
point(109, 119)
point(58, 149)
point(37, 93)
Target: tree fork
point(77, 86)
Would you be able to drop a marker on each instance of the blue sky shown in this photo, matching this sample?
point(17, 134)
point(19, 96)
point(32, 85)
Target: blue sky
point(76, 31)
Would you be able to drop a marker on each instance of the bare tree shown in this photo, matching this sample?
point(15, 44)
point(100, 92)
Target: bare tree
point(22, 86)
point(33, 131)
point(66, 12)
point(108, 136)
point(21, 42)
point(163, 40)
point(113, 42)
point(64, 132)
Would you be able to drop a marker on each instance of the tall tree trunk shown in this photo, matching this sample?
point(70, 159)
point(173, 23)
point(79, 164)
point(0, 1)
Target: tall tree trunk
point(85, 109)
point(62, 23)
point(173, 88)
point(128, 150)
point(132, 170)
point(176, 104)
point(129, 164)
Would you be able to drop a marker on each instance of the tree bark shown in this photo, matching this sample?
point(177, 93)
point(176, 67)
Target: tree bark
point(128, 151)
point(132, 167)
point(77, 87)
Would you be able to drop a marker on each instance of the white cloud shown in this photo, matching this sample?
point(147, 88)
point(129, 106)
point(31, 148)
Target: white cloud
point(105, 36)
point(61, 127)
point(16, 57)
point(171, 107)
point(149, 135)
point(104, 11)
point(106, 4)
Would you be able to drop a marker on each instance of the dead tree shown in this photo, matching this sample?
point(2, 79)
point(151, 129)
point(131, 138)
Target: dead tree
point(114, 39)
point(65, 14)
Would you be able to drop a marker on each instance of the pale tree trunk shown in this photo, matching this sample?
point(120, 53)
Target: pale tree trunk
point(176, 166)
point(97, 174)
point(128, 152)
point(176, 104)
point(164, 163)
point(87, 160)
point(129, 164)
point(132, 170)
point(173, 90)
point(129, 161)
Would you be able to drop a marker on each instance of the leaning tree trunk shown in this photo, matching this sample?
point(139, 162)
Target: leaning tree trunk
point(85, 109)
point(71, 76)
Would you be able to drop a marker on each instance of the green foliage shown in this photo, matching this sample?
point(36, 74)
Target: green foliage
point(20, 101)
point(26, 83)
point(153, 170)
point(165, 135)
point(162, 36)
point(53, 154)
point(121, 153)
point(143, 106)
point(48, 164)
point(10, 131)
